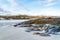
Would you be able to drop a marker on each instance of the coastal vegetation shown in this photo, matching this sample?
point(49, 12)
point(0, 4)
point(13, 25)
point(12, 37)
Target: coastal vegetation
point(19, 17)
point(16, 17)
point(44, 21)
point(24, 17)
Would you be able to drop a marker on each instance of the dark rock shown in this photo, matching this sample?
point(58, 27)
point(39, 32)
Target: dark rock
point(52, 31)
point(44, 34)
point(15, 25)
point(41, 34)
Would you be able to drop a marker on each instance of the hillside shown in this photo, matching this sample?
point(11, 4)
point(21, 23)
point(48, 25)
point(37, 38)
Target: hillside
point(16, 17)
point(25, 17)
point(44, 21)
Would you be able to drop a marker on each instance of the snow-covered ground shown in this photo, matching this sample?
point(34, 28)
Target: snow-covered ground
point(15, 33)
point(4, 23)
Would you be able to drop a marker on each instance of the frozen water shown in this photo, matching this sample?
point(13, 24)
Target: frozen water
point(8, 32)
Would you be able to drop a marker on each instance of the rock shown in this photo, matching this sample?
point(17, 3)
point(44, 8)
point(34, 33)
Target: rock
point(26, 25)
point(36, 33)
point(28, 30)
point(44, 34)
point(52, 30)
point(15, 25)
point(41, 34)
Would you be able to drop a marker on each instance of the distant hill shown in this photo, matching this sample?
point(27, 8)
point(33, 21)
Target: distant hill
point(25, 17)
point(16, 17)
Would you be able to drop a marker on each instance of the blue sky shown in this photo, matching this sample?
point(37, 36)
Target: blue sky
point(30, 7)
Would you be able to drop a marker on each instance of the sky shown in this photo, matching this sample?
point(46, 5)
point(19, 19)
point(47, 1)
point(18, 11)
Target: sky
point(30, 7)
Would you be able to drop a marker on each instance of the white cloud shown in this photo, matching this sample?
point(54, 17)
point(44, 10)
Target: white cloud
point(44, 2)
point(15, 9)
point(46, 12)
point(12, 2)
point(50, 2)
point(50, 12)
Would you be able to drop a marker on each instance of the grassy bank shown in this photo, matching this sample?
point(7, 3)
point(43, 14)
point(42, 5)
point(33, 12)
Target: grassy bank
point(44, 21)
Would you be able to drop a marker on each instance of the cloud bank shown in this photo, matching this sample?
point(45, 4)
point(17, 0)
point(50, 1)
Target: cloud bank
point(30, 7)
